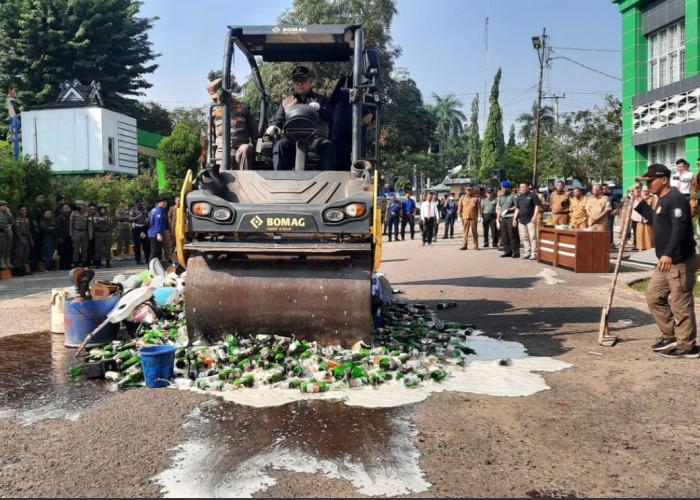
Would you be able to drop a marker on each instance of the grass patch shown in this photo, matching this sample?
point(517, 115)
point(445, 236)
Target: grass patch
point(641, 286)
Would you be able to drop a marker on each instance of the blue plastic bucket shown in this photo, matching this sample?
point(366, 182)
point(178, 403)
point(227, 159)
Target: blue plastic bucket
point(82, 317)
point(157, 362)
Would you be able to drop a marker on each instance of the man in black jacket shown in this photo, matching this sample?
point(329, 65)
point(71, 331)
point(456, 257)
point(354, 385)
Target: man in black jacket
point(670, 291)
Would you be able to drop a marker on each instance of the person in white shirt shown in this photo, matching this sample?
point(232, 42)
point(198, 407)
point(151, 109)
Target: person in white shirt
point(682, 178)
point(429, 215)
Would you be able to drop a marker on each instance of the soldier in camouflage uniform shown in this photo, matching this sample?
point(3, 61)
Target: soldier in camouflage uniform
point(7, 221)
point(103, 237)
point(23, 242)
point(123, 231)
point(80, 234)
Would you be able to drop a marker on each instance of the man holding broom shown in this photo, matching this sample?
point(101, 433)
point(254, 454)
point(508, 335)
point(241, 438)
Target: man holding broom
point(670, 291)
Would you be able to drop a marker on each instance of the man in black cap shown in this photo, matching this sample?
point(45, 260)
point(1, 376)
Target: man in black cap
point(284, 150)
point(670, 291)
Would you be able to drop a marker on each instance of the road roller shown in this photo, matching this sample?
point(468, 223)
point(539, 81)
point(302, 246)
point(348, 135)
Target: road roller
point(285, 252)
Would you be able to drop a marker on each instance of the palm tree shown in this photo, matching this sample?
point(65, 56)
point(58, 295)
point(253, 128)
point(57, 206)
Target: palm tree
point(547, 122)
point(450, 120)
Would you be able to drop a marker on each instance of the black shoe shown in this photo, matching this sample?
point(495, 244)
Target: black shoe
point(664, 343)
point(444, 237)
point(109, 264)
point(693, 353)
point(486, 245)
point(97, 264)
point(507, 255)
point(141, 263)
point(516, 255)
point(463, 248)
point(424, 243)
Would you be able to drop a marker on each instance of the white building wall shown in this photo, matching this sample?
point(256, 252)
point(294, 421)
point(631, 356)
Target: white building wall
point(76, 140)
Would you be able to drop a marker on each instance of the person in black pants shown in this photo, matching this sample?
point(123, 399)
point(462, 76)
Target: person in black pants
point(488, 221)
point(449, 210)
point(394, 212)
point(138, 216)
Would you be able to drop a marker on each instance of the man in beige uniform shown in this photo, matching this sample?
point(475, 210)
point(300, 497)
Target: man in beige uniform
point(244, 128)
point(578, 217)
point(559, 204)
point(469, 209)
point(597, 208)
point(80, 234)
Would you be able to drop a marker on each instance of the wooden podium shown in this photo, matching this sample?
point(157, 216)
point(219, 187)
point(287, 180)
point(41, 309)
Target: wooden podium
point(583, 251)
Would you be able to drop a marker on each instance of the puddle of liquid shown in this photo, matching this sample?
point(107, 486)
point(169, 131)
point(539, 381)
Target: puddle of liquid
point(365, 438)
point(33, 382)
point(234, 449)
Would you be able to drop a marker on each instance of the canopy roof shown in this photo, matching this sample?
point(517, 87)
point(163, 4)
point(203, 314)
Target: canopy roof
point(328, 42)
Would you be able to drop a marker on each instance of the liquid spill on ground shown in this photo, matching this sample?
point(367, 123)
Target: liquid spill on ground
point(360, 435)
point(238, 442)
point(234, 449)
point(33, 384)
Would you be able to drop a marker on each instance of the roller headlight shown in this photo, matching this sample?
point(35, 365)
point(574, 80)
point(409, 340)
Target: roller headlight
point(202, 209)
point(221, 214)
point(355, 210)
point(334, 215)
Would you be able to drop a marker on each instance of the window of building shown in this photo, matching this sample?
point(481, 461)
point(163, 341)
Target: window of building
point(110, 150)
point(666, 153)
point(666, 55)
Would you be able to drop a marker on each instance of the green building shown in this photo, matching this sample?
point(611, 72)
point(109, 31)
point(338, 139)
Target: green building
point(660, 83)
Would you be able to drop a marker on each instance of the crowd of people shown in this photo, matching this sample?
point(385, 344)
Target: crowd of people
point(508, 217)
point(81, 234)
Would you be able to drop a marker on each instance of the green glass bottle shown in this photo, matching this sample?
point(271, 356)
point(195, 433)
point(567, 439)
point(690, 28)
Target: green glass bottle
point(75, 371)
point(294, 383)
point(247, 381)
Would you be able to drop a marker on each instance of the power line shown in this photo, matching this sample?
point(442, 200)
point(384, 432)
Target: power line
point(587, 50)
point(559, 56)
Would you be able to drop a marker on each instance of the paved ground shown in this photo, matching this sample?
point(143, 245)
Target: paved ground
point(621, 422)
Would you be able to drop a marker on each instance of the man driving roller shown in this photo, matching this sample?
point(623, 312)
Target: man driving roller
point(284, 150)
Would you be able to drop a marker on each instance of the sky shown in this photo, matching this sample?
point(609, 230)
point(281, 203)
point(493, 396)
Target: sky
point(445, 45)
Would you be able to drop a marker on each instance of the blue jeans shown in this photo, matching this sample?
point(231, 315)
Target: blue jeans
point(48, 256)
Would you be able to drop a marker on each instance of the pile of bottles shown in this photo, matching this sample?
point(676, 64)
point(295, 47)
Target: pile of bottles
point(410, 348)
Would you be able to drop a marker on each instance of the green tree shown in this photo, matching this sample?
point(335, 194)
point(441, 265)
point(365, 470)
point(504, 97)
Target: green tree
point(494, 143)
point(547, 122)
point(152, 117)
point(179, 152)
point(473, 143)
point(517, 161)
point(511, 135)
point(587, 145)
point(407, 124)
point(57, 40)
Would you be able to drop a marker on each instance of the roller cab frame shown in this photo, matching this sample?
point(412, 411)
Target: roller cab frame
point(288, 252)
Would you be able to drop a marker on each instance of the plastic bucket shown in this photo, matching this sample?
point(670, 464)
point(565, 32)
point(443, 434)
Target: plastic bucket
point(58, 297)
point(82, 317)
point(157, 363)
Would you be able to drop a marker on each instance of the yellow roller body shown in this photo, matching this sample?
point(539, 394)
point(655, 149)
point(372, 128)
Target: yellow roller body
point(181, 220)
point(377, 229)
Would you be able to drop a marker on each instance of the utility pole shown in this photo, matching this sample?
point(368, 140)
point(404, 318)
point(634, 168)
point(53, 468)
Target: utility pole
point(540, 45)
point(556, 104)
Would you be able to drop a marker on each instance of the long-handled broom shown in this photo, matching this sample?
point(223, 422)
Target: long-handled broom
point(604, 337)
